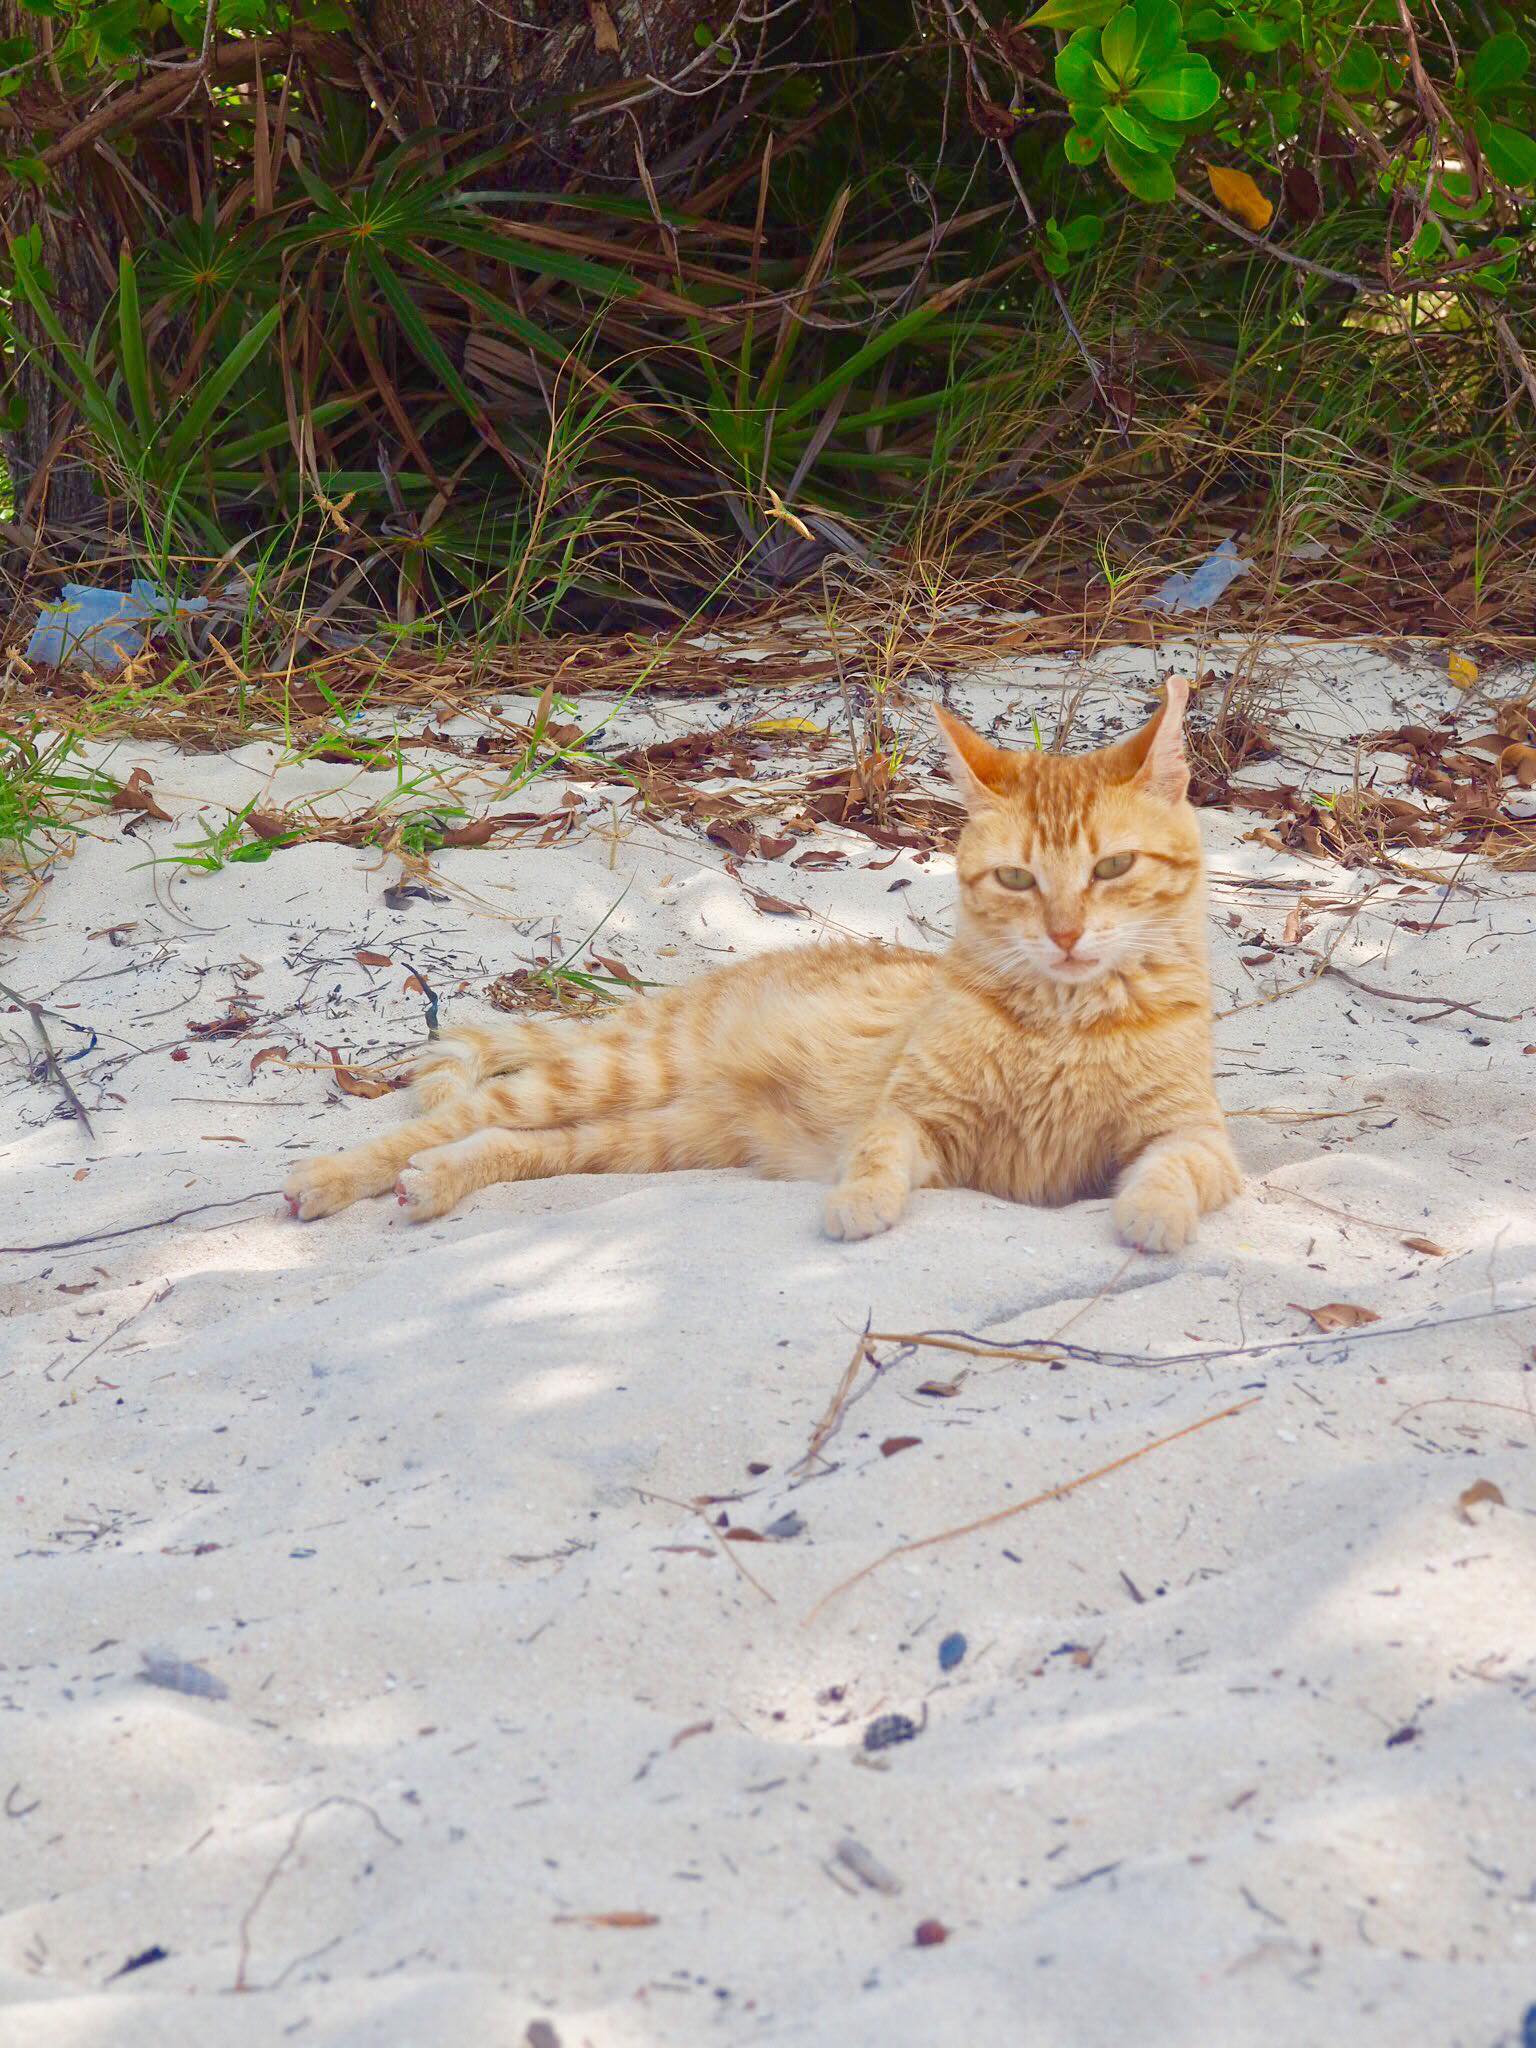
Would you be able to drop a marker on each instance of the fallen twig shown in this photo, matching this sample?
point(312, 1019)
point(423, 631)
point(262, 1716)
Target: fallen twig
point(1398, 995)
point(1042, 1349)
point(1036, 1500)
point(66, 1244)
point(729, 1549)
point(241, 1982)
point(830, 1422)
point(56, 1073)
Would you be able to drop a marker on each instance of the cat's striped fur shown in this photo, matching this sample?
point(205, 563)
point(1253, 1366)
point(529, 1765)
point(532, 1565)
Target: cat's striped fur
point(1059, 1048)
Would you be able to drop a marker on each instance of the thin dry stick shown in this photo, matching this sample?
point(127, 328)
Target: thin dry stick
point(37, 1012)
point(1295, 987)
point(241, 1982)
point(690, 1507)
point(830, 1422)
point(1022, 1507)
point(953, 1344)
point(1398, 995)
point(67, 1244)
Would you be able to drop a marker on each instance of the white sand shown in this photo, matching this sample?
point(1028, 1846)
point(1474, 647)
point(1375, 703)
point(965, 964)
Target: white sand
point(417, 1497)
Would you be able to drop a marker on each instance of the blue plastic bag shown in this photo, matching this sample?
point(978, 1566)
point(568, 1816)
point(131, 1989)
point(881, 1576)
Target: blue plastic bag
point(102, 629)
point(1199, 590)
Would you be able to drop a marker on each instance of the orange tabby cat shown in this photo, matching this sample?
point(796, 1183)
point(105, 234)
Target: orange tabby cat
point(1059, 1048)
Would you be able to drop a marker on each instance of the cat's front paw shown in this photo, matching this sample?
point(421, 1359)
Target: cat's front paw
point(858, 1210)
point(1155, 1218)
point(319, 1187)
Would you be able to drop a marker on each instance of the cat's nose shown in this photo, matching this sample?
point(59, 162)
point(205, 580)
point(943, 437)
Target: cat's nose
point(1066, 940)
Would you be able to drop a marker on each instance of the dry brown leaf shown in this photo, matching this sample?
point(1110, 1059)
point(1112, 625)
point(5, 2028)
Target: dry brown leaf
point(606, 964)
point(620, 1919)
point(1291, 936)
point(138, 794)
point(475, 833)
point(734, 837)
point(775, 906)
point(1479, 1492)
point(687, 1734)
point(1519, 761)
point(373, 960)
point(939, 1390)
point(1239, 195)
point(1337, 1315)
point(1303, 192)
point(744, 1536)
point(1426, 1245)
point(541, 709)
point(893, 1444)
point(604, 34)
point(350, 1081)
point(414, 985)
point(268, 1052)
point(774, 848)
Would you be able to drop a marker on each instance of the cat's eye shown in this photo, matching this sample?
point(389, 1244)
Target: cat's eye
point(1014, 878)
point(1111, 865)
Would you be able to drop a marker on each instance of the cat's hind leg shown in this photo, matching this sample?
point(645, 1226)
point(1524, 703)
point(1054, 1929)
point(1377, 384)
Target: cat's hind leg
point(334, 1180)
point(659, 1140)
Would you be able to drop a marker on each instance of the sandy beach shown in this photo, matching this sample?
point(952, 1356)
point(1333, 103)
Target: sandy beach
point(512, 1696)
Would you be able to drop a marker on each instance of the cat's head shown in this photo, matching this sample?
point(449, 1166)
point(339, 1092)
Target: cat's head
point(1074, 867)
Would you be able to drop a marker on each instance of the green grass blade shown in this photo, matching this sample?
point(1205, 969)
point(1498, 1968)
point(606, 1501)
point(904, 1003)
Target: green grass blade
point(130, 345)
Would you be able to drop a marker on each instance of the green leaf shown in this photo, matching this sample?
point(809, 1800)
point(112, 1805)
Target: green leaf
point(1143, 176)
point(1261, 36)
point(1511, 154)
point(1160, 25)
point(1073, 14)
point(1129, 129)
point(1082, 233)
point(130, 344)
point(1077, 70)
point(1119, 43)
point(862, 359)
point(1179, 92)
point(1056, 261)
point(1205, 25)
point(213, 389)
point(1500, 63)
point(1358, 70)
point(1081, 147)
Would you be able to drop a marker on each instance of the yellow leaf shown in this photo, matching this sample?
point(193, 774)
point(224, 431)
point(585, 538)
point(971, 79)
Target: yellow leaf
point(1237, 192)
point(1462, 668)
point(785, 725)
point(779, 510)
point(604, 34)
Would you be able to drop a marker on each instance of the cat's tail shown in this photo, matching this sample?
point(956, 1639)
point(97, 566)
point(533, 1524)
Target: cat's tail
point(469, 1054)
point(555, 1070)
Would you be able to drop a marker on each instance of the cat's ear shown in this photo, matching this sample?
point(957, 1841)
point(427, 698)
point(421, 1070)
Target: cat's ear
point(1154, 758)
point(980, 771)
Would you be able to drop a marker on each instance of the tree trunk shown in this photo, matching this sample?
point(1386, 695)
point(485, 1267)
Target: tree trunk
point(79, 253)
point(462, 66)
